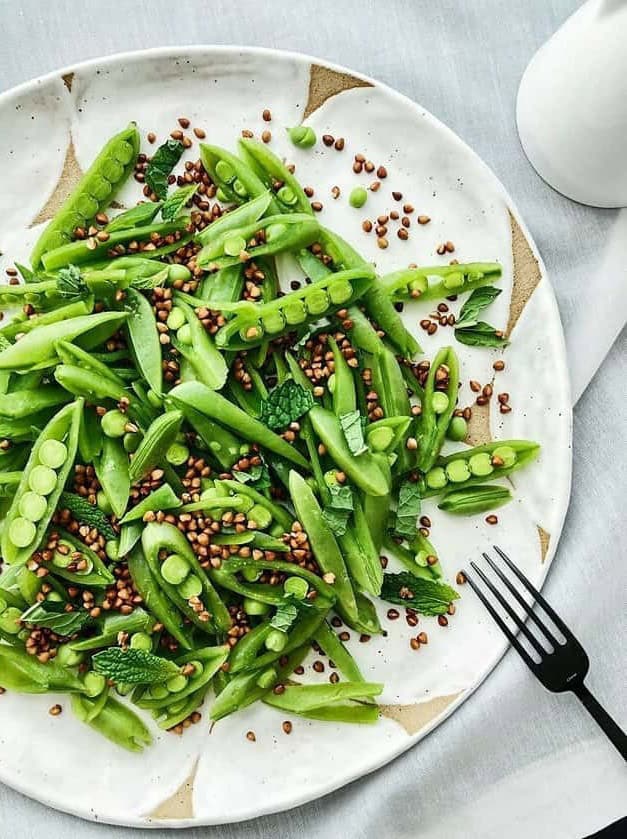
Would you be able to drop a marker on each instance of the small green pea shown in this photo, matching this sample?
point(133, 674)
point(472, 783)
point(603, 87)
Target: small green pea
point(67, 656)
point(421, 558)
point(239, 189)
point(177, 683)
point(436, 478)
point(453, 281)
point(177, 454)
point(457, 471)
point(255, 607)
point(190, 587)
point(225, 171)
point(260, 515)
point(94, 683)
point(141, 641)
point(42, 479)
point(103, 503)
point(159, 692)
point(251, 575)
point(480, 464)
point(32, 506)
point(380, 439)
point(303, 136)
point(178, 273)
point(317, 301)
point(297, 587)
point(276, 640)
point(286, 195)
point(131, 442)
point(273, 322)
point(184, 334)
point(114, 424)
point(22, 532)
point(112, 549)
point(275, 231)
point(10, 620)
point(234, 245)
point(439, 402)
point(507, 455)
point(176, 318)
point(340, 291)
point(174, 569)
point(457, 429)
point(267, 678)
point(358, 197)
point(294, 312)
point(53, 453)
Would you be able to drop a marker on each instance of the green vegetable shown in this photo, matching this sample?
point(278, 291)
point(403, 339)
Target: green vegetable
point(302, 136)
point(425, 596)
point(87, 513)
point(70, 284)
point(176, 202)
point(286, 403)
point(161, 164)
point(133, 666)
point(477, 499)
point(358, 197)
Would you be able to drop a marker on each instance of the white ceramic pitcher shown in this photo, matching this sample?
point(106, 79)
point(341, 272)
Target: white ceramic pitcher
point(572, 106)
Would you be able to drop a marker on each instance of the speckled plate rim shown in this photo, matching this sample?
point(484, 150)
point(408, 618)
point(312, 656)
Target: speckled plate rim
point(14, 93)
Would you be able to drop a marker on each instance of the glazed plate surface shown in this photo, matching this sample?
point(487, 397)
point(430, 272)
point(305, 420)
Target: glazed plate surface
point(52, 129)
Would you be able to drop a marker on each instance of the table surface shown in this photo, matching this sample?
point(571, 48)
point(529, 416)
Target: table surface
point(513, 759)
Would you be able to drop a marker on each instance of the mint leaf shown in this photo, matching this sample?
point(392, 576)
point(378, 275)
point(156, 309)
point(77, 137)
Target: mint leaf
point(137, 216)
point(408, 509)
point(353, 431)
point(52, 615)
point(336, 520)
point(135, 667)
point(285, 404)
point(256, 476)
point(148, 283)
point(26, 273)
point(481, 335)
point(477, 302)
point(163, 161)
point(86, 513)
point(70, 283)
point(341, 497)
point(425, 596)
point(284, 617)
point(175, 203)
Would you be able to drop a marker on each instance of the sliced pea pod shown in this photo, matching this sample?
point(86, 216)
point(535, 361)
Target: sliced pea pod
point(115, 721)
point(253, 323)
point(249, 213)
point(278, 513)
point(19, 326)
point(23, 673)
point(208, 661)
point(21, 536)
point(95, 574)
point(141, 330)
point(222, 444)
point(290, 197)
point(25, 403)
point(414, 283)
point(200, 351)
point(137, 621)
point(94, 192)
point(235, 180)
point(112, 469)
point(303, 698)
point(157, 440)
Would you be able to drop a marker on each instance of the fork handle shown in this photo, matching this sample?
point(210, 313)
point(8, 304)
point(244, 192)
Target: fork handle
point(610, 728)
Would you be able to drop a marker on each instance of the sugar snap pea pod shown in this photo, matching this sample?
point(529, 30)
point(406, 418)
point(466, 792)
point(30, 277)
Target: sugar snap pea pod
point(83, 251)
point(210, 403)
point(272, 235)
point(38, 345)
point(278, 513)
point(224, 446)
point(23, 673)
point(157, 440)
point(25, 403)
point(234, 565)
point(116, 722)
point(437, 408)
point(245, 652)
point(56, 445)
point(259, 592)
point(363, 470)
point(425, 554)
point(387, 434)
point(223, 286)
point(362, 333)
point(337, 652)
point(208, 363)
point(344, 394)
point(71, 354)
point(94, 191)
point(130, 534)
point(249, 213)
point(322, 540)
point(110, 628)
point(163, 498)
point(303, 698)
point(81, 382)
point(290, 197)
point(469, 467)
point(169, 716)
point(356, 713)
point(69, 554)
point(477, 499)
point(409, 558)
point(242, 690)
point(141, 331)
point(252, 323)
point(207, 661)
point(113, 472)
point(233, 177)
point(361, 554)
point(367, 621)
point(155, 600)
point(89, 436)
point(62, 313)
point(413, 283)
point(163, 536)
point(136, 216)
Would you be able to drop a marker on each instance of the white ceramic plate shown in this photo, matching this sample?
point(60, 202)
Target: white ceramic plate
point(51, 128)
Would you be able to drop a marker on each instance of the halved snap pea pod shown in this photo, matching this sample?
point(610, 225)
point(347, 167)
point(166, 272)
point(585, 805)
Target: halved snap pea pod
point(290, 196)
point(413, 283)
point(235, 180)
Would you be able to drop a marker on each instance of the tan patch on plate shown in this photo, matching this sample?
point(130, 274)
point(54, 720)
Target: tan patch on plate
point(479, 432)
point(526, 274)
point(181, 804)
point(325, 83)
point(68, 78)
point(415, 717)
point(545, 538)
point(68, 180)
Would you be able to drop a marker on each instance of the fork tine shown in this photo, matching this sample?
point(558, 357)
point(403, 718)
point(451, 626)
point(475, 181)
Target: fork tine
point(522, 652)
point(510, 611)
point(559, 623)
point(528, 609)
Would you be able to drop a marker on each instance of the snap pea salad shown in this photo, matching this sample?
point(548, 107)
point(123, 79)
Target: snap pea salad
point(202, 476)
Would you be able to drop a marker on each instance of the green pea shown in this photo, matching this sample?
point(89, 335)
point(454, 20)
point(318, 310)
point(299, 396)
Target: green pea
point(286, 195)
point(176, 707)
point(141, 641)
point(340, 291)
point(103, 503)
point(176, 318)
point(67, 656)
point(122, 152)
point(53, 453)
point(225, 171)
point(276, 640)
point(184, 334)
point(317, 301)
point(457, 429)
point(190, 587)
point(33, 506)
point(419, 285)
point(255, 607)
point(267, 678)
point(42, 479)
point(175, 569)
point(159, 692)
point(131, 442)
point(275, 231)
point(10, 620)
point(176, 683)
point(380, 439)
point(295, 312)
point(177, 454)
point(439, 402)
point(297, 587)
point(273, 322)
point(221, 194)
point(86, 206)
point(358, 197)
point(112, 171)
point(198, 668)
point(252, 332)
point(507, 455)
point(453, 281)
point(62, 560)
point(178, 273)
point(94, 683)
point(436, 478)
point(54, 597)
point(234, 245)
point(100, 188)
point(260, 515)
point(22, 532)
point(239, 189)
point(112, 549)
point(303, 136)
point(245, 503)
point(251, 574)
point(480, 464)
point(114, 424)
point(457, 471)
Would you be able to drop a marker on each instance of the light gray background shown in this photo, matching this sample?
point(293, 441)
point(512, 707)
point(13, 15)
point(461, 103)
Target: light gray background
point(463, 61)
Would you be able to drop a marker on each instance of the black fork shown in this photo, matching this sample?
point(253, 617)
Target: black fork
point(562, 665)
